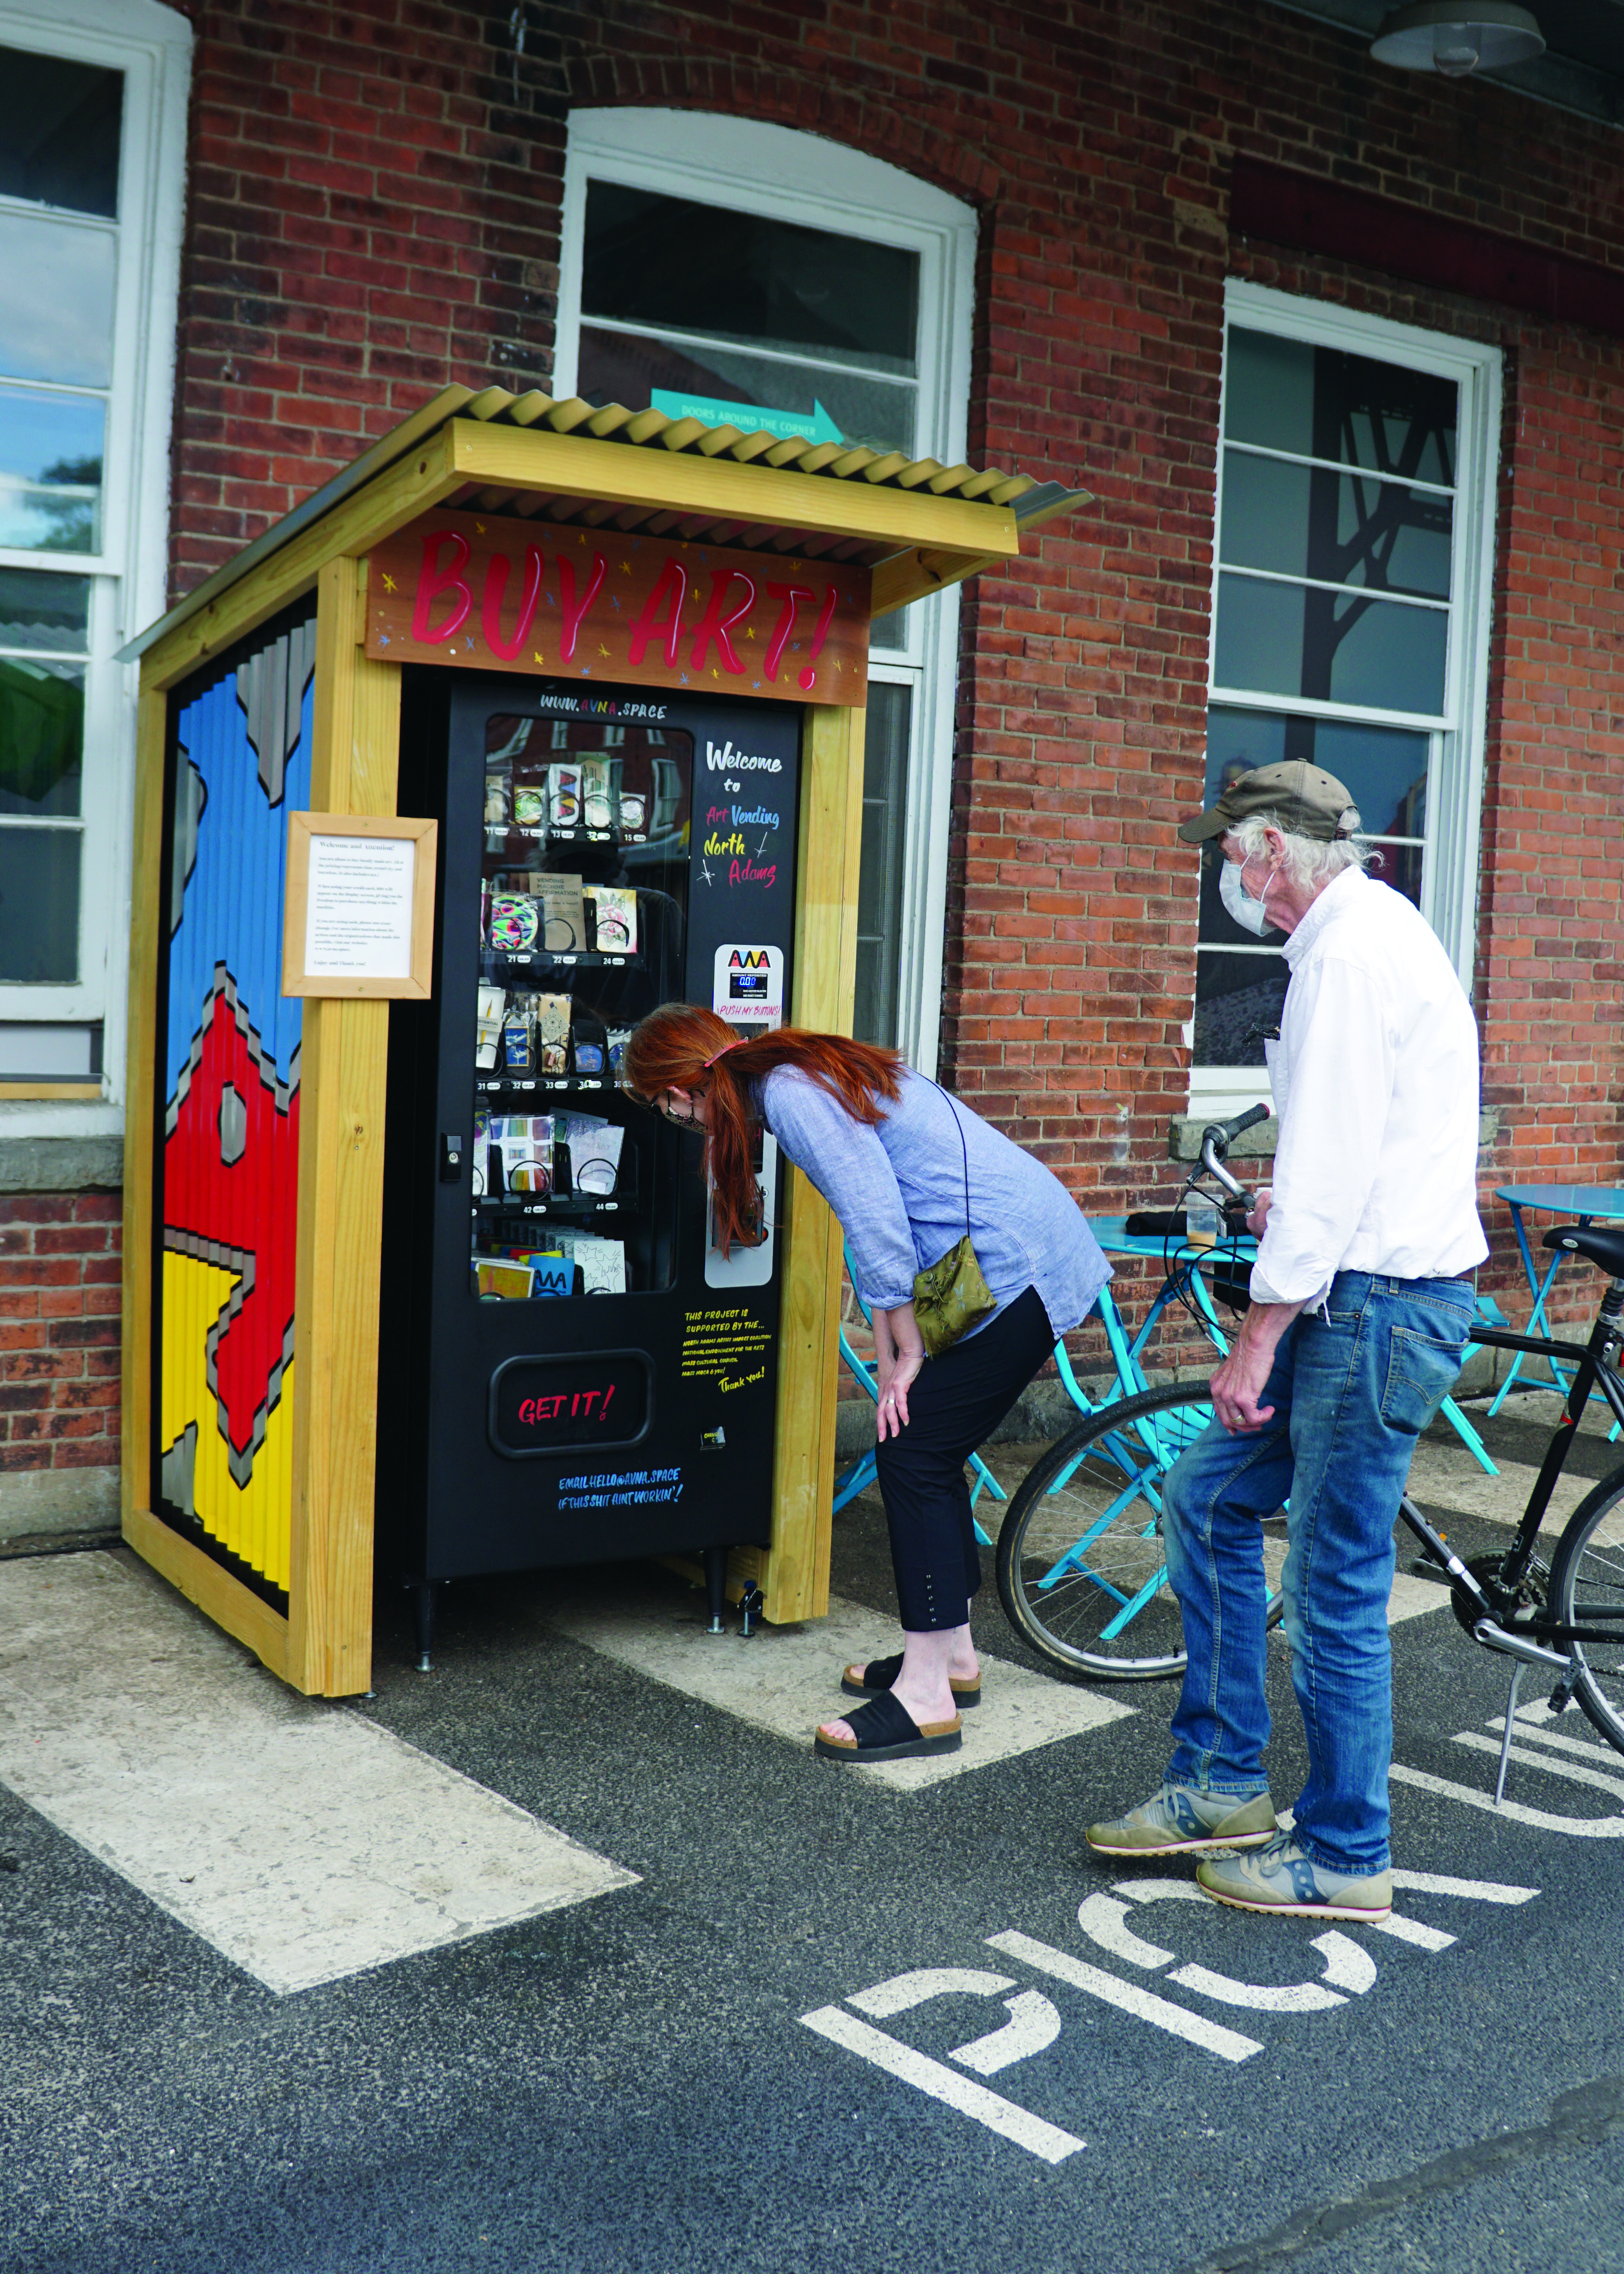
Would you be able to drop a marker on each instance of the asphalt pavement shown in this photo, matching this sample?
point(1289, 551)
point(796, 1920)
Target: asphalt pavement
point(722, 2065)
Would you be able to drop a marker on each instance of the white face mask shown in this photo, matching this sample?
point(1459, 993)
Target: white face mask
point(1251, 915)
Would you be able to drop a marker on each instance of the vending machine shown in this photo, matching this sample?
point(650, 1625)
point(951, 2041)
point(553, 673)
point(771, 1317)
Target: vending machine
point(571, 1370)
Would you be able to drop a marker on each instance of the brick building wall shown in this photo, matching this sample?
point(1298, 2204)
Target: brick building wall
point(374, 212)
point(60, 1258)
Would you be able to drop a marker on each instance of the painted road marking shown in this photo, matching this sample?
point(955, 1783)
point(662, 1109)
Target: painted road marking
point(1478, 1890)
point(1177, 2020)
point(1543, 1819)
point(999, 2115)
point(900, 1993)
point(301, 1841)
point(1346, 1967)
point(787, 1680)
point(1033, 2027)
point(1408, 1930)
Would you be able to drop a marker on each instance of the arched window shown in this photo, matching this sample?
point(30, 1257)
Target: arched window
point(719, 268)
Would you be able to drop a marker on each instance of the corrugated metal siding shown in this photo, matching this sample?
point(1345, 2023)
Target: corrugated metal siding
point(230, 1079)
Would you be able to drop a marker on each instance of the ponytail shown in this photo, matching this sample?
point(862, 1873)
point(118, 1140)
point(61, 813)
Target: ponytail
point(681, 1045)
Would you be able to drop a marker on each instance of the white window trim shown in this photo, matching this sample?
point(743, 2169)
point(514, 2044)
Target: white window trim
point(793, 177)
point(1449, 868)
point(152, 45)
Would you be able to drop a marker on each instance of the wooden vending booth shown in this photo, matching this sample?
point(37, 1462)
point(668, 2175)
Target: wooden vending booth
point(580, 547)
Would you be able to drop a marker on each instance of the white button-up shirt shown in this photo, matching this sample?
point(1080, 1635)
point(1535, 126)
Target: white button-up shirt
point(1375, 1082)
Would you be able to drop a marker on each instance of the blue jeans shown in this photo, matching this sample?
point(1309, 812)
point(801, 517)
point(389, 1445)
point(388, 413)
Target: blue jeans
point(1352, 1386)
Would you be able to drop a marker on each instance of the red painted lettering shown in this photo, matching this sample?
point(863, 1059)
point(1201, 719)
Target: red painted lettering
point(570, 613)
point(491, 607)
point(527, 1413)
point(808, 677)
point(433, 580)
point(671, 588)
point(792, 596)
point(718, 620)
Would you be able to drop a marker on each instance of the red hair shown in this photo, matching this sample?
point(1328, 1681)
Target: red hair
point(682, 1046)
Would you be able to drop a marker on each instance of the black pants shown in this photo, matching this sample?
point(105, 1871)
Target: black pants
point(955, 1404)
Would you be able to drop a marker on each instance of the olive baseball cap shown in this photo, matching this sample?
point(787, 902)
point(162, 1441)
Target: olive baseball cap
point(1305, 800)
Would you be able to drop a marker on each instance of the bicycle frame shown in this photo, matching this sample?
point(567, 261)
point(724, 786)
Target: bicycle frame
point(1529, 1635)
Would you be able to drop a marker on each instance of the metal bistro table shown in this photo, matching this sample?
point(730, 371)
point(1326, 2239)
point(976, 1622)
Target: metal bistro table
point(1186, 1273)
point(1579, 1204)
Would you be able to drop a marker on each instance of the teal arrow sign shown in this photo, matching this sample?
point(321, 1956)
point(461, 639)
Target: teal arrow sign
point(711, 410)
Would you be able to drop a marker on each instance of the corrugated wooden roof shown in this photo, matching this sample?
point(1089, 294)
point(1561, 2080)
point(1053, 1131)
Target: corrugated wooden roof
point(1028, 500)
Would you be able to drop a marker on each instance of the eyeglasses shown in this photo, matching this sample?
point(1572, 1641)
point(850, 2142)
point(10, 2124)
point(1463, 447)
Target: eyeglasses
point(682, 1120)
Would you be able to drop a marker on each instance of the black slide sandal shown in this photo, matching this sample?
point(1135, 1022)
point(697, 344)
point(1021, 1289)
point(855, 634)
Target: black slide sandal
point(881, 1673)
point(886, 1731)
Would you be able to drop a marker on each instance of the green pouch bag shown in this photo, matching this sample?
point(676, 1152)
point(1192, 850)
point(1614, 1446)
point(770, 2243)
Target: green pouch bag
point(950, 1294)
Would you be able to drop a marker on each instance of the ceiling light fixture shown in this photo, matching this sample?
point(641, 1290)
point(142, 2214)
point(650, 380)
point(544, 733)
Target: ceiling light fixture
point(1458, 37)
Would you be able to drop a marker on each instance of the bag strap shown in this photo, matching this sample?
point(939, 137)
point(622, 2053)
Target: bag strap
point(962, 1148)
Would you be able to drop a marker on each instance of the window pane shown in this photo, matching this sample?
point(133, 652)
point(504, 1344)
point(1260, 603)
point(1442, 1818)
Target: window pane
point(55, 301)
point(678, 266)
point(1318, 402)
point(59, 123)
point(39, 906)
point(1238, 1000)
point(50, 471)
point(725, 386)
point(879, 887)
point(1302, 521)
point(42, 736)
point(1284, 639)
point(1383, 767)
point(39, 610)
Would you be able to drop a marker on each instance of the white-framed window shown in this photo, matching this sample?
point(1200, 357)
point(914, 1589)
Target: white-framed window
point(712, 264)
point(91, 157)
point(1352, 584)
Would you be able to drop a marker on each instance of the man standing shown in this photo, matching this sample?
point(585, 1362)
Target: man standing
point(1358, 1321)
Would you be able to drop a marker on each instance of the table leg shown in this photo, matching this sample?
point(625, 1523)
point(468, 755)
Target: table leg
point(1537, 1322)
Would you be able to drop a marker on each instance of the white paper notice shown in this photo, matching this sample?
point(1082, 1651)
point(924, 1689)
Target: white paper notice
point(358, 923)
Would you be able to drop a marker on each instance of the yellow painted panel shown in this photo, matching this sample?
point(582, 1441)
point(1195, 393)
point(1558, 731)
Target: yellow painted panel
point(252, 1521)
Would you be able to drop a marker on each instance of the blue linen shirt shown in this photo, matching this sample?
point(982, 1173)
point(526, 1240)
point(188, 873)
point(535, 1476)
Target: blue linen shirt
point(898, 1190)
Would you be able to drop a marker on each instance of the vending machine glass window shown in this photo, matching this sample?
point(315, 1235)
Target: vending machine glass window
point(583, 920)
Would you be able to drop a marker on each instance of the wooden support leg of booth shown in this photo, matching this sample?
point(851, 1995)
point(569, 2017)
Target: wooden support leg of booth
point(344, 1066)
point(794, 1571)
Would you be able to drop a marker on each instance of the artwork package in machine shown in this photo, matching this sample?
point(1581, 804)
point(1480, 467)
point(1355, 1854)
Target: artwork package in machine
point(594, 1147)
point(563, 911)
point(616, 907)
point(552, 1033)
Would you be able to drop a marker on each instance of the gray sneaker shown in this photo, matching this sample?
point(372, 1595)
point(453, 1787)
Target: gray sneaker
point(1280, 1878)
point(1179, 1820)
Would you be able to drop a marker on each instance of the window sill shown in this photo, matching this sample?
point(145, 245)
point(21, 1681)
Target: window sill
point(1258, 1144)
point(51, 1089)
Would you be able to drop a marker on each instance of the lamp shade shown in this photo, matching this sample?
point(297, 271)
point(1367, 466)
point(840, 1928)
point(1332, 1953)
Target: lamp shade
point(1457, 37)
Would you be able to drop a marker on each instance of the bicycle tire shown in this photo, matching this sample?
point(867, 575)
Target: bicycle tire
point(1060, 1504)
point(1589, 1569)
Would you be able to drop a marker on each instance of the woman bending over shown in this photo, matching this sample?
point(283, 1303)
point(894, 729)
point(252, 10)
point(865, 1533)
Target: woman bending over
point(909, 1170)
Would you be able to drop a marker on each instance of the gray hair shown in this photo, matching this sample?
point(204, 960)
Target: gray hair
point(1306, 860)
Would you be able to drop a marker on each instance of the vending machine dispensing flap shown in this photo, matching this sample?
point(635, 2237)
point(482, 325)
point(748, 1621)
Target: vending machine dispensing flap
point(549, 1404)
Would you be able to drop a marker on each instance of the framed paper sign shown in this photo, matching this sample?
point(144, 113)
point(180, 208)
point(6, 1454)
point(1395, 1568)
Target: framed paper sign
point(359, 915)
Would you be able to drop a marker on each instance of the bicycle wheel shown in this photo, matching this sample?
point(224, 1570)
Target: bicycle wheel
point(1080, 1568)
point(1587, 1577)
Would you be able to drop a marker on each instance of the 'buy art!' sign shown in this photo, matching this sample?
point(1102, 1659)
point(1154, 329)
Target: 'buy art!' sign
point(499, 595)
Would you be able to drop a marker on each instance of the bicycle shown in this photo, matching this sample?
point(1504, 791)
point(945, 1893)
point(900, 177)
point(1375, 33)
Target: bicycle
point(1083, 1580)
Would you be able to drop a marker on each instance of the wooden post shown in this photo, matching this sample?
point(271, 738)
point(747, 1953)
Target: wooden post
point(794, 1572)
point(344, 1065)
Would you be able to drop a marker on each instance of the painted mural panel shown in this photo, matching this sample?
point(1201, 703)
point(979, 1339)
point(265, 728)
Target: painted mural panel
point(231, 1110)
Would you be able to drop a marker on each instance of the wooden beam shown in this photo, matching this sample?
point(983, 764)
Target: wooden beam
point(216, 1593)
point(576, 466)
point(344, 1063)
point(795, 1576)
point(147, 940)
point(50, 1089)
point(418, 483)
point(922, 569)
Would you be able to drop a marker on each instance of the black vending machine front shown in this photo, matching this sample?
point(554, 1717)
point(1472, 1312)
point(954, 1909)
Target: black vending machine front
point(571, 1370)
